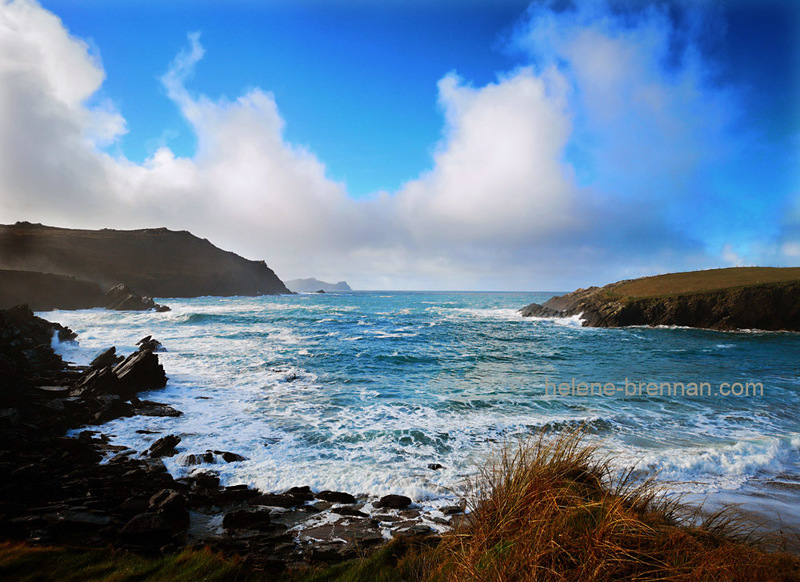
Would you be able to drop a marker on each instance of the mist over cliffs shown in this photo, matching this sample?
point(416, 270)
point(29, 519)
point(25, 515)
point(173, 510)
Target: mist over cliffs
point(153, 262)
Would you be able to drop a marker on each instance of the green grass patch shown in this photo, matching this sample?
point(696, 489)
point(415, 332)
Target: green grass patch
point(702, 281)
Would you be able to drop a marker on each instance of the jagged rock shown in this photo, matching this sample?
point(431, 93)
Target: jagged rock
point(393, 502)
point(139, 372)
point(121, 298)
point(148, 343)
point(165, 446)
point(97, 382)
point(107, 358)
point(435, 466)
point(336, 497)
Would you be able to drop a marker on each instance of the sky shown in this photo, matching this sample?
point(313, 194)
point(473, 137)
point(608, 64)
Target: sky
point(405, 144)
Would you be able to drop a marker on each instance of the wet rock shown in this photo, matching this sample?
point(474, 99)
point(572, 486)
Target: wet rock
point(150, 408)
point(139, 372)
point(393, 502)
point(230, 457)
point(121, 298)
point(336, 497)
point(453, 509)
point(165, 446)
point(435, 466)
point(351, 511)
point(301, 493)
point(206, 480)
point(148, 343)
point(246, 519)
point(107, 358)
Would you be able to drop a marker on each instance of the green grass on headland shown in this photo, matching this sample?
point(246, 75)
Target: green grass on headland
point(699, 281)
point(547, 510)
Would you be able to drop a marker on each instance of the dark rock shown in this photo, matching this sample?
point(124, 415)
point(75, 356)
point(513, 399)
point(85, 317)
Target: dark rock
point(121, 298)
point(150, 408)
point(451, 509)
point(233, 494)
point(301, 493)
point(435, 466)
point(107, 358)
point(245, 519)
point(147, 528)
point(336, 497)
point(230, 457)
point(148, 343)
point(171, 506)
point(349, 511)
point(393, 502)
point(275, 500)
point(139, 372)
point(206, 480)
point(96, 383)
point(165, 446)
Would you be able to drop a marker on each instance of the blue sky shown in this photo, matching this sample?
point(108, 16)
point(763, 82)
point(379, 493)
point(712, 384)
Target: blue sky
point(410, 144)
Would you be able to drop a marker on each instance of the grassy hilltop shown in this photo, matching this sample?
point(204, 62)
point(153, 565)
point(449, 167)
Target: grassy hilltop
point(736, 298)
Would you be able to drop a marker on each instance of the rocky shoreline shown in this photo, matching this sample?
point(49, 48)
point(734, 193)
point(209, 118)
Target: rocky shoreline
point(773, 306)
point(84, 491)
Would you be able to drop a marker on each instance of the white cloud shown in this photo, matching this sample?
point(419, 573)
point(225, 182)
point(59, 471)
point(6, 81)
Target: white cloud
point(505, 203)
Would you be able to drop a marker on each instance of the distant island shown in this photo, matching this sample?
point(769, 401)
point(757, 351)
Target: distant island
point(60, 268)
point(314, 285)
point(765, 298)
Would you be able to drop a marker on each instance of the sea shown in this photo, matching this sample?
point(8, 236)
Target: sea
point(368, 392)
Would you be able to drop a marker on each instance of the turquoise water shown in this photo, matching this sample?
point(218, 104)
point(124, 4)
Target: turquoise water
point(362, 391)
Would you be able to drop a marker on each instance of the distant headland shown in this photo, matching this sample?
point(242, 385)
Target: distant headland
point(313, 285)
point(765, 298)
point(60, 268)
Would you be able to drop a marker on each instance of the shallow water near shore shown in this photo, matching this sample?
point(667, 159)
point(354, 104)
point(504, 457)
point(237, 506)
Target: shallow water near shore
point(362, 391)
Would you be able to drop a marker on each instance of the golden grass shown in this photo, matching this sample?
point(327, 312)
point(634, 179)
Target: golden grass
point(699, 281)
point(549, 510)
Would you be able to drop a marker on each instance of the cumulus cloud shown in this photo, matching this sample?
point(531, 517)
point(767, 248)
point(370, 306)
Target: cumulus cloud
point(578, 167)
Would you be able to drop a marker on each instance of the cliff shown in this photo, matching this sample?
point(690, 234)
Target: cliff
point(152, 262)
point(725, 299)
point(313, 285)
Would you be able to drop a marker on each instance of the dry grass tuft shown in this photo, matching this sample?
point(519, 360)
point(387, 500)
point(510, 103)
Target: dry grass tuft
point(550, 509)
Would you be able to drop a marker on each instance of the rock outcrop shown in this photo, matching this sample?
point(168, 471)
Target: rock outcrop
point(153, 262)
point(723, 299)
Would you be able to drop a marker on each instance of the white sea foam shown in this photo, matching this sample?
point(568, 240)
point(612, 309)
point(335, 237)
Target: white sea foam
point(362, 396)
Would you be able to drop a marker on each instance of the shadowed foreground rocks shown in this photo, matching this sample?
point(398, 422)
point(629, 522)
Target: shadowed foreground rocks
point(55, 491)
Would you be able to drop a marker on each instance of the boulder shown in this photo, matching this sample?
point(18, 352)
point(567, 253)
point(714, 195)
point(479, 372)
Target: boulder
point(393, 502)
point(301, 493)
point(336, 497)
point(165, 446)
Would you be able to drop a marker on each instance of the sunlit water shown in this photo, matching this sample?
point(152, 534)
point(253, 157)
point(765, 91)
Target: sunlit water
point(360, 392)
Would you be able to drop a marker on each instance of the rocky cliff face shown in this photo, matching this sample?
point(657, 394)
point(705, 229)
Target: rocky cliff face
point(152, 262)
point(767, 306)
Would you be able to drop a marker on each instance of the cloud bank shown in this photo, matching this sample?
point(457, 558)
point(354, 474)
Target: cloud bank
point(602, 157)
